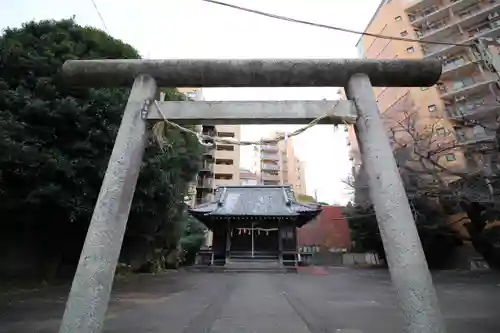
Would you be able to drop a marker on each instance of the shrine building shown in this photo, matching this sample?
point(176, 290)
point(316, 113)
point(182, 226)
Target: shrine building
point(254, 223)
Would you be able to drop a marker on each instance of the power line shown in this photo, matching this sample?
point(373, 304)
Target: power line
point(319, 25)
point(100, 16)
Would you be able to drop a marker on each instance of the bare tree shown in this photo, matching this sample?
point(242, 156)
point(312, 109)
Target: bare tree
point(456, 171)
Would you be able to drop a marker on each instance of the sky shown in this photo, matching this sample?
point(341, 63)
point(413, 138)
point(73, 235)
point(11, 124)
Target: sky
point(162, 29)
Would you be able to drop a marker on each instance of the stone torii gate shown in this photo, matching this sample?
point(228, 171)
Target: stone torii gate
point(90, 291)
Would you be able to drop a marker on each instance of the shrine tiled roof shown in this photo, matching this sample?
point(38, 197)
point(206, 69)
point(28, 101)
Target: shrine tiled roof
point(255, 201)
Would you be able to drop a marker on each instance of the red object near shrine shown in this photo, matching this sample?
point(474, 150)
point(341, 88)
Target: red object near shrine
point(330, 230)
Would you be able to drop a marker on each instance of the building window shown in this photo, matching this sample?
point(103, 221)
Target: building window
point(225, 134)
point(450, 157)
point(225, 147)
point(455, 62)
point(225, 176)
point(432, 108)
point(404, 33)
point(223, 161)
point(441, 131)
point(411, 49)
point(397, 18)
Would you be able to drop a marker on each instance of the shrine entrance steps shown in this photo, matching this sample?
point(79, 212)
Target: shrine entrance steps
point(242, 261)
point(257, 255)
point(245, 262)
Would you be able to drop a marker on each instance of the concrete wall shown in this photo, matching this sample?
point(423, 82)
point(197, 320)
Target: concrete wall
point(326, 258)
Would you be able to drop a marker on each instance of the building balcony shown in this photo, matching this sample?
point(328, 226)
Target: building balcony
point(427, 9)
point(488, 30)
point(434, 50)
point(207, 167)
point(472, 14)
point(270, 148)
point(209, 132)
point(430, 13)
point(416, 6)
point(205, 183)
point(436, 11)
point(472, 108)
point(437, 30)
point(270, 177)
point(457, 67)
point(475, 139)
point(269, 157)
point(208, 152)
point(270, 167)
point(484, 147)
point(467, 86)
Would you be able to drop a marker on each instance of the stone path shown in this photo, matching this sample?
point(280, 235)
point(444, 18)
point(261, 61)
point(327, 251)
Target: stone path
point(335, 301)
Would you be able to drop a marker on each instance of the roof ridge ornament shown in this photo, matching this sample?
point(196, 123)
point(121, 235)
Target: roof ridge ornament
point(220, 201)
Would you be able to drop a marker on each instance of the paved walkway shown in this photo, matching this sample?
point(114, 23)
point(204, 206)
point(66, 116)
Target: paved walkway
point(338, 300)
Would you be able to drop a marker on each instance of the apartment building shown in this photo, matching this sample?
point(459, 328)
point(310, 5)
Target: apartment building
point(227, 156)
point(278, 165)
point(248, 178)
point(220, 163)
point(466, 91)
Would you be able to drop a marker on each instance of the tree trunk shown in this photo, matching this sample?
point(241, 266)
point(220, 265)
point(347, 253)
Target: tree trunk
point(481, 244)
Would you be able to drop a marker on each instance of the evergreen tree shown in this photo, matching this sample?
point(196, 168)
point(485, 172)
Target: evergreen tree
point(55, 143)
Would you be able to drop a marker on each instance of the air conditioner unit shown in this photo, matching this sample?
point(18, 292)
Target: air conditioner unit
point(459, 98)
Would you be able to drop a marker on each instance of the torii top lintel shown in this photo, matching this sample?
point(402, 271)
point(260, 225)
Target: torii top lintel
point(253, 73)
